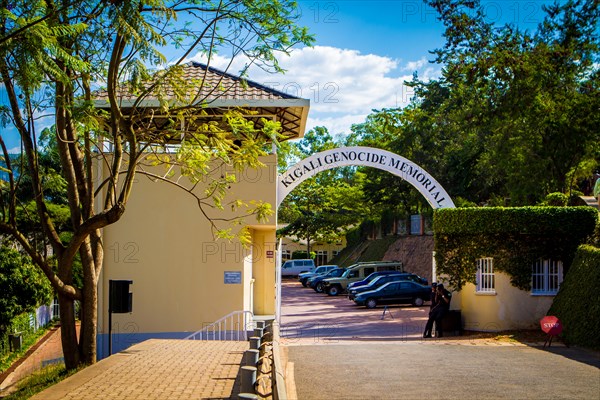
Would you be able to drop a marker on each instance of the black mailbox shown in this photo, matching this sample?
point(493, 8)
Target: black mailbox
point(121, 301)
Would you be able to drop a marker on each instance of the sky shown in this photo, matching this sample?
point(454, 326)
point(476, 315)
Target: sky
point(363, 54)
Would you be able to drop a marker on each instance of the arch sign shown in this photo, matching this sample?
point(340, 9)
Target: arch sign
point(368, 157)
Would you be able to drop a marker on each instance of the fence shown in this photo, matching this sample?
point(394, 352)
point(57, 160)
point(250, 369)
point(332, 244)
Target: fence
point(27, 325)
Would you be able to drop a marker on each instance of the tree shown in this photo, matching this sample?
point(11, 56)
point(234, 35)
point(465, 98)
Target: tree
point(324, 206)
point(513, 117)
point(55, 56)
point(525, 103)
point(23, 286)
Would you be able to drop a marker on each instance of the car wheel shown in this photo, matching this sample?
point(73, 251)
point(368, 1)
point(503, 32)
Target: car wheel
point(418, 302)
point(371, 303)
point(334, 291)
point(319, 287)
point(304, 282)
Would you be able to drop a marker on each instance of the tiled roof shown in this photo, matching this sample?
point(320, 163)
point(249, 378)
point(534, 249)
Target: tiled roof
point(218, 89)
point(213, 84)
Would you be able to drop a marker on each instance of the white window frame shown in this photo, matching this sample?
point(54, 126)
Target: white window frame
point(485, 282)
point(546, 277)
point(286, 255)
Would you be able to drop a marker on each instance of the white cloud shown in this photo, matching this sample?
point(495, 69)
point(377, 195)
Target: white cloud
point(14, 150)
point(336, 124)
point(341, 84)
point(412, 66)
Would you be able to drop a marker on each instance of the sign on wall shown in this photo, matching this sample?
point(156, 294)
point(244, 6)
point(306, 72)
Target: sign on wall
point(232, 277)
point(369, 157)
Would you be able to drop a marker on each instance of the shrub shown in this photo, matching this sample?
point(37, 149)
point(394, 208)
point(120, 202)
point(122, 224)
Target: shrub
point(302, 254)
point(577, 304)
point(556, 199)
point(514, 236)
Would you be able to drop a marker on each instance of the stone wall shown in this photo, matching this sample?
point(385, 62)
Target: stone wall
point(416, 252)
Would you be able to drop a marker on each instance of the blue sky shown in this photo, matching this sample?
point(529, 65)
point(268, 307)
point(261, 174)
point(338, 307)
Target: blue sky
point(364, 52)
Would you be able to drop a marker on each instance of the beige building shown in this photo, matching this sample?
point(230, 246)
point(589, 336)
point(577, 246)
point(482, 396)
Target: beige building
point(494, 304)
point(324, 251)
point(184, 279)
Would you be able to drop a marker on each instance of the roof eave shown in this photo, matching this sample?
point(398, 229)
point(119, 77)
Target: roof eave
point(218, 103)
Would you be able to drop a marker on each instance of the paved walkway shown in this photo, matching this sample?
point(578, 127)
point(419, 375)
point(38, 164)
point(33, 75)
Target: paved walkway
point(158, 369)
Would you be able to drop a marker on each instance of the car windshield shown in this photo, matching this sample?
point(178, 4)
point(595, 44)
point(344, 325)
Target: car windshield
point(336, 273)
point(346, 273)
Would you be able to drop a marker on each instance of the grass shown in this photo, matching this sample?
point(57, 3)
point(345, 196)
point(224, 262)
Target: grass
point(38, 381)
point(29, 340)
point(514, 336)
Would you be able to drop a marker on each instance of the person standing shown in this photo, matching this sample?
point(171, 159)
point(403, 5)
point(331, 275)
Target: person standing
point(438, 311)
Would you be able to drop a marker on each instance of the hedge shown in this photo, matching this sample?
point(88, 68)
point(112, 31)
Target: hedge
point(577, 303)
point(514, 236)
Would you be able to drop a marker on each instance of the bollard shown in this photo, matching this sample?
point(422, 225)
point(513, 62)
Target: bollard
point(251, 357)
point(258, 332)
point(254, 342)
point(248, 379)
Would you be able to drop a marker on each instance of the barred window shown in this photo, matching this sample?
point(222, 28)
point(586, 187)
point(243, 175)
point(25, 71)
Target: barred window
point(485, 276)
point(546, 276)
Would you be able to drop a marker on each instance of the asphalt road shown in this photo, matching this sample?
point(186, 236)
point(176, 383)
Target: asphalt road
point(335, 350)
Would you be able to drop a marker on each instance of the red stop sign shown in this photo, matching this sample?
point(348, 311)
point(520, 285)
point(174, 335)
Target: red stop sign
point(551, 325)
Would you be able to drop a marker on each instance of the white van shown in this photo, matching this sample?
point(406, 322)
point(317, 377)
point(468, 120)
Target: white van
point(295, 267)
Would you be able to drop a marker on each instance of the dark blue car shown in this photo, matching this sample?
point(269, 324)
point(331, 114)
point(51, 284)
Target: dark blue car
point(368, 279)
point(403, 292)
point(316, 282)
point(377, 282)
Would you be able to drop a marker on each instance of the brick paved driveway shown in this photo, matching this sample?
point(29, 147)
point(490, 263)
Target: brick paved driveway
point(309, 317)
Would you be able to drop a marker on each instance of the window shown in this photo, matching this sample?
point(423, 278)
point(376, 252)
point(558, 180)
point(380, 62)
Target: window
point(546, 277)
point(485, 276)
point(321, 258)
point(286, 255)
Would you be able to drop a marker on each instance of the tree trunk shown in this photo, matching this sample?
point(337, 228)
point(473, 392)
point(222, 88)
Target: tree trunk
point(89, 315)
point(89, 306)
point(68, 332)
point(81, 350)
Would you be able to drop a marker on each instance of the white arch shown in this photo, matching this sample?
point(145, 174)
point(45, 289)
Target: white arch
point(366, 156)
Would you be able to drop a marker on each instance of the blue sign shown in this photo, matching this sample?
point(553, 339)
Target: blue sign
point(232, 277)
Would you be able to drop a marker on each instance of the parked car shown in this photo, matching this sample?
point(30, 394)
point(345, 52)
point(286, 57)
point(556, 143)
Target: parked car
point(296, 267)
point(357, 272)
point(403, 292)
point(316, 282)
point(382, 280)
point(370, 278)
point(320, 270)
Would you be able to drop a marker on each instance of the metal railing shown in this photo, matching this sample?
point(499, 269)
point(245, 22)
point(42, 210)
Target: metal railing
point(233, 326)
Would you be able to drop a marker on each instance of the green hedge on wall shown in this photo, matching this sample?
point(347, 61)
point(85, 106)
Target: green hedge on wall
point(514, 236)
point(577, 304)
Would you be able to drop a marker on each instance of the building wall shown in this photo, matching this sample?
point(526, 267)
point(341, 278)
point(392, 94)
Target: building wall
point(291, 246)
point(510, 308)
point(165, 246)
